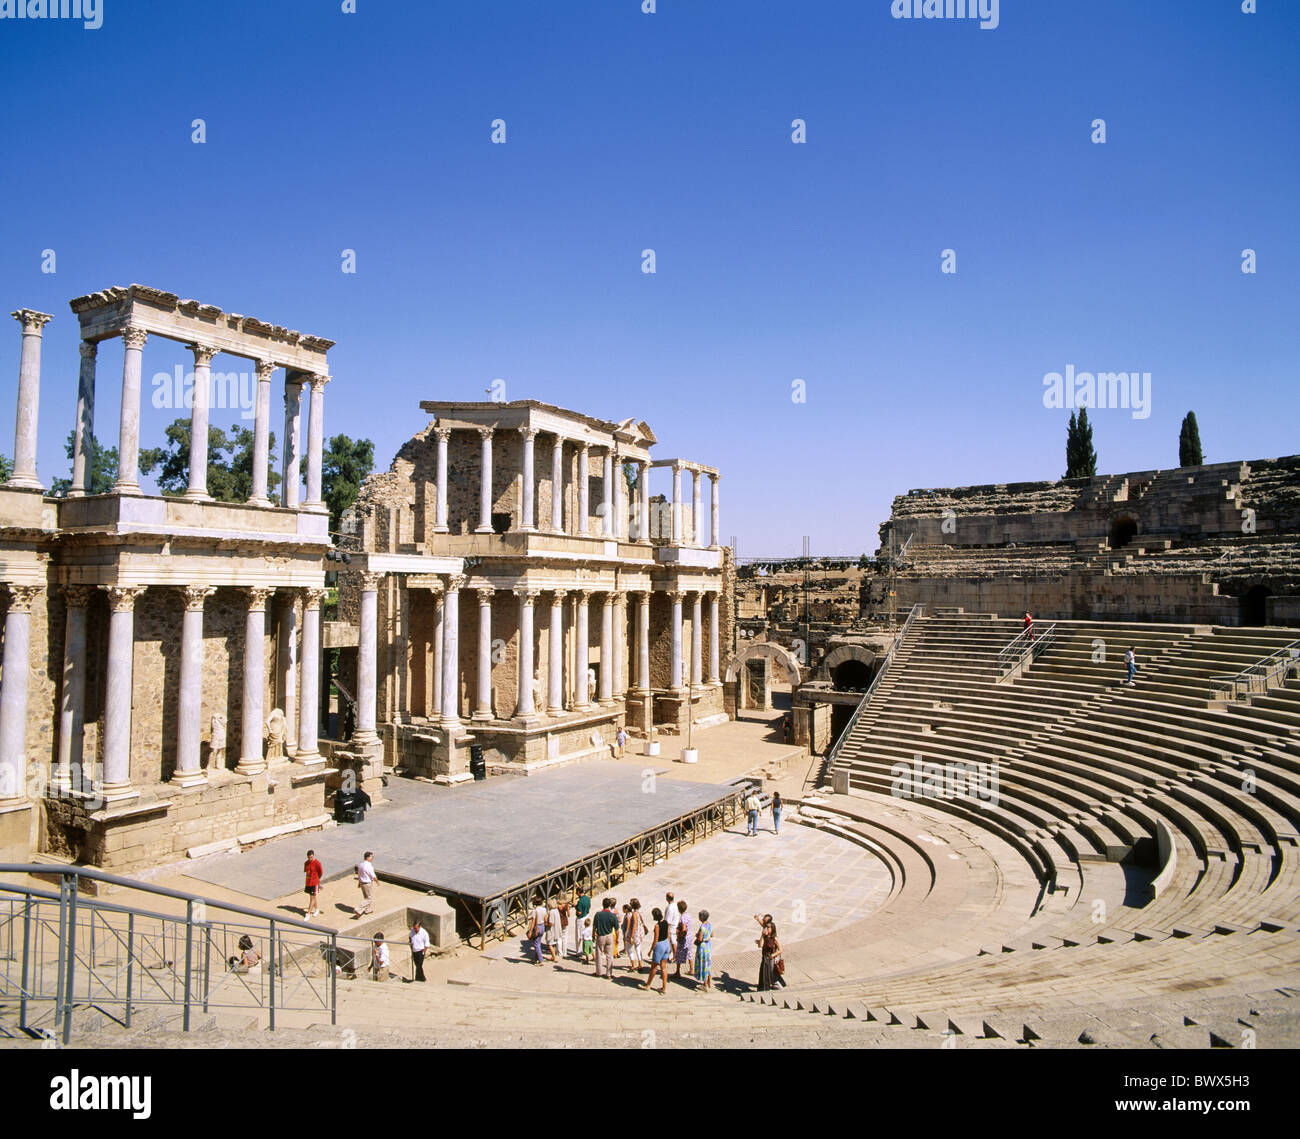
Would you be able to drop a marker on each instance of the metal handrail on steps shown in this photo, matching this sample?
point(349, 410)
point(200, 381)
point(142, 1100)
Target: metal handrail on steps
point(1027, 644)
point(1258, 676)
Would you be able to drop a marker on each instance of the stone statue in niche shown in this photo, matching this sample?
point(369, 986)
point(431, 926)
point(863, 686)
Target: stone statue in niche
point(539, 695)
point(217, 744)
point(275, 727)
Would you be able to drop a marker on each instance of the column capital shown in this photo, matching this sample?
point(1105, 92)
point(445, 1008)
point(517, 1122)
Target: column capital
point(258, 596)
point(558, 595)
point(33, 322)
point(642, 595)
point(312, 596)
point(526, 594)
point(22, 597)
point(318, 382)
point(485, 432)
point(370, 581)
point(195, 596)
point(89, 349)
point(264, 369)
point(678, 466)
point(443, 433)
point(612, 596)
point(583, 595)
point(77, 596)
point(485, 595)
point(456, 582)
point(716, 476)
point(674, 595)
point(528, 432)
point(134, 337)
point(122, 598)
point(583, 445)
point(203, 353)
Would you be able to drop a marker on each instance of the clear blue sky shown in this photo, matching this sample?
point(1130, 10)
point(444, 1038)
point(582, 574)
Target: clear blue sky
point(328, 131)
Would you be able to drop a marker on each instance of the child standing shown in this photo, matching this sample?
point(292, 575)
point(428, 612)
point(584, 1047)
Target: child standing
point(588, 945)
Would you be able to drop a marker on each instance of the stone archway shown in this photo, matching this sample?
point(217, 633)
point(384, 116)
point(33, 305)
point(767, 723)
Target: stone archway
point(735, 688)
point(849, 668)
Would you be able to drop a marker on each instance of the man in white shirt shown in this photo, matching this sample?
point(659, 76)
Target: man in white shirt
point(752, 805)
point(366, 880)
point(379, 958)
point(419, 944)
point(671, 916)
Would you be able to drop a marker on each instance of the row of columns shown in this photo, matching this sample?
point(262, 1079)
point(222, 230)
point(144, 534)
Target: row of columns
point(116, 785)
point(614, 513)
point(697, 514)
point(128, 468)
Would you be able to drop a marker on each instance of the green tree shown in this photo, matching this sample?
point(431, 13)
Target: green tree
point(1189, 443)
point(101, 468)
point(6, 468)
point(230, 462)
point(1080, 458)
point(344, 466)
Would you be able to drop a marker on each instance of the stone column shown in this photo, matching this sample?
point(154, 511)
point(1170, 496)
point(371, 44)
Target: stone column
point(451, 652)
point(13, 693)
point(292, 461)
point(584, 487)
point(484, 709)
point(713, 636)
point(29, 398)
point(524, 705)
point(607, 495)
point(128, 438)
point(289, 670)
point(202, 400)
point(309, 689)
point(607, 651)
point(442, 434)
point(439, 617)
point(582, 639)
point(643, 643)
point(675, 669)
point(557, 485)
point(697, 639)
point(677, 505)
point(619, 678)
point(620, 500)
point(84, 431)
point(118, 691)
point(262, 434)
point(643, 486)
point(555, 679)
point(315, 442)
point(189, 728)
point(251, 759)
point(367, 655)
point(529, 489)
point(697, 515)
point(485, 484)
point(72, 704)
point(715, 519)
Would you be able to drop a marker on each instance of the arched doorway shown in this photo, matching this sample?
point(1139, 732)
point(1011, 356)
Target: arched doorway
point(1254, 605)
point(851, 675)
point(770, 662)
point(1122, 532)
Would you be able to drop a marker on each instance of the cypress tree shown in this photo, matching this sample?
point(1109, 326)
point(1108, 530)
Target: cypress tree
point(1189, 443)
point(1087, 456)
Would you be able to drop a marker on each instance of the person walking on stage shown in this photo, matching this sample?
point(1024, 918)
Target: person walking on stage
point(684, 943)
point(379, 959)
point(419, 946)
point(1131, 662)
point(603, 926)
point(777, 808)
point(366, 878)
point(537, 928)
point(752, 806)
point(704, 952)
point(772, 966)
point(554, 931)
point(660, 952)
point(313, 869)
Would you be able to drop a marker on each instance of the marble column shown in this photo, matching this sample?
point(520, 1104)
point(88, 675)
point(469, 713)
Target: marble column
point(675, 668)
point(13, 693)
point(697, 639)
point(620, 644)
point(367, 657)
point(251, 758)
point(29, 398)
point(288, 652)
point(201, 402)
point(524, 704)
point(128, 437)
point(697, 514)
point(607, 667)
point(677, 505)
point(84, 430)
point(309, 689)
point(620, 500)
point(584, 488)
point(582, 641)
point(442, 434)
point(439, 617)
point(262, 434)
point(189, 700)
point(715, 519)
point(316, 442)
point(607, 495)
point(485, 483)
point(643, 514)
point(529, 488)
point(643, 642)
point(451, 652)
point(555, 677)
point(713, 638)
point(292, 460)
point(72, 703)
point(118, 692)
point(484, 709)
point(557, 485)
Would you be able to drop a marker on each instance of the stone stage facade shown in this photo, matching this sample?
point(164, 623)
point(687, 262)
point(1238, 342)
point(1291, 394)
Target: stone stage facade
point(160, 683)
point(517, 588)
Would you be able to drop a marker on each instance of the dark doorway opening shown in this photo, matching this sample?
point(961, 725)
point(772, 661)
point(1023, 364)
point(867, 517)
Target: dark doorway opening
point(851, 676)
point(1254, 605)
point(841, 714)
point(1122, 532)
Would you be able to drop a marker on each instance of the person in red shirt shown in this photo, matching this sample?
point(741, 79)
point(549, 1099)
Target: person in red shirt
point(313, 869)
point(1029, 626)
